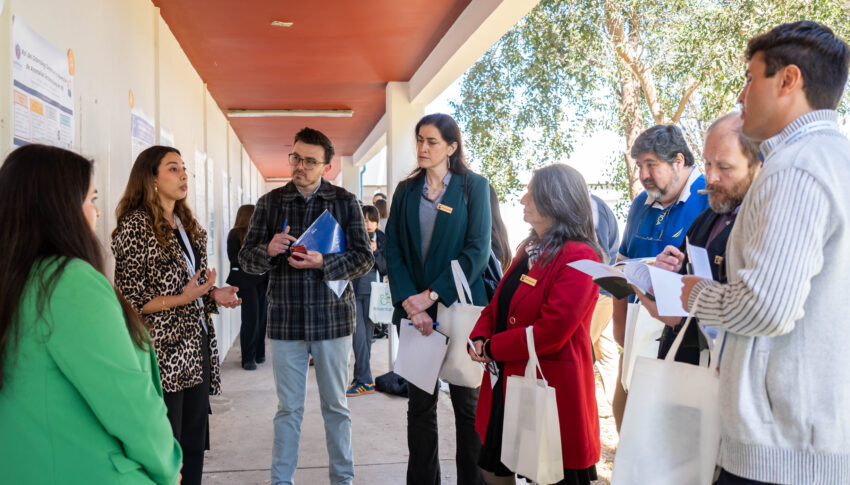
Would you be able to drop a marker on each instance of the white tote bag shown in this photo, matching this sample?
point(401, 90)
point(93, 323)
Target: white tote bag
point(531, 437)
point(671, 427)
point(641, 339)
point(457, 322)
point(380, 303)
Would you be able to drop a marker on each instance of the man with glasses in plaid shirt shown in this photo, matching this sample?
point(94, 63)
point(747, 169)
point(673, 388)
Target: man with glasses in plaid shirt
point(305, 317)
point(660, 215)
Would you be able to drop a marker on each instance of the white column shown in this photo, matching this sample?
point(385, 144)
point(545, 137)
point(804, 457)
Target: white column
point(350, 175)
point(402, 116)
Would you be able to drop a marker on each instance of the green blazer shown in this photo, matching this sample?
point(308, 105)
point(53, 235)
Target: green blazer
point(463, 235)
point(80, 402)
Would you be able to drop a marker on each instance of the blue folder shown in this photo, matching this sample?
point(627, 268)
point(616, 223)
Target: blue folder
point(325, 236)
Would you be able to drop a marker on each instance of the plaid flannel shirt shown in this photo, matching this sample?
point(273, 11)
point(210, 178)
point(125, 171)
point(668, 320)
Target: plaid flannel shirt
point(301, 306)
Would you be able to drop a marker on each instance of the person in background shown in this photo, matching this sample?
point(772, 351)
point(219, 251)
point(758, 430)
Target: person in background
point(80, 397)
point(659, 216)
point(378, 196)
point(606, 355)
point(362, 341)
point(252, 292)
point(731, 164)
point(161, 268)
point(499, 242)
point(383, 213)
point(440, 213)
point(540, 291)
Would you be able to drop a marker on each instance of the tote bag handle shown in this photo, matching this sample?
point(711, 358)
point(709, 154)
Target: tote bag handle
point(714, 347)
point(533, 362)
point(461, 284)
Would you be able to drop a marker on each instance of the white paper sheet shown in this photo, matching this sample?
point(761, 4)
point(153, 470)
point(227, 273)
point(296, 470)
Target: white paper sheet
point(419, 357)
point(699, 261)
point(667, 288)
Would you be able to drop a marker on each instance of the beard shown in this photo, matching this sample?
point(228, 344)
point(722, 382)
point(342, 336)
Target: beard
point(724, 201)
point(657, 192)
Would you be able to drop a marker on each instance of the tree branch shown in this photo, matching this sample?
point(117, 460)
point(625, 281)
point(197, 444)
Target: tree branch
point(685, 97)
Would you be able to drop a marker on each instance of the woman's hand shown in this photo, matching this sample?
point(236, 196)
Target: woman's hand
point(417, 303)
point(226, 297)
point(192, 291)
point(422, 322)
point(477, 354)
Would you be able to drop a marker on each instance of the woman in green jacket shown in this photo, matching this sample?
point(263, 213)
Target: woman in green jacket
point(80, 397)
point(441, 212)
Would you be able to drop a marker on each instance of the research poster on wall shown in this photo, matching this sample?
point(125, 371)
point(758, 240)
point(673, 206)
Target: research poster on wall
point(42, 90)
point(141, 132)
point(211, 208)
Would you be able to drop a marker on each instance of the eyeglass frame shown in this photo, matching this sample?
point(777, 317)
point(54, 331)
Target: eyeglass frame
point(309, 163)
point(665, 216)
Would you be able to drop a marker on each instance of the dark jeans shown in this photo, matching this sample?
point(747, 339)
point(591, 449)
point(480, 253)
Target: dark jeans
point(727, 478)
point(362, 341)
point(252, 333)
point(188, 412)
point(423, 466)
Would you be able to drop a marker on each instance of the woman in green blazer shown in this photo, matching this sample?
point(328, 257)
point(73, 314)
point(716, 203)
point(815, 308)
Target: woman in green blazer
point(80, 397)
point(441, 212)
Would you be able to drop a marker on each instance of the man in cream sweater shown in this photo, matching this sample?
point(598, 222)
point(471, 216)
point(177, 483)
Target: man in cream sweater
point(785, 363)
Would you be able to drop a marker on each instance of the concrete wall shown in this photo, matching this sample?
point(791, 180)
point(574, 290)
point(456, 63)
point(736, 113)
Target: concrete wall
point(121, 46)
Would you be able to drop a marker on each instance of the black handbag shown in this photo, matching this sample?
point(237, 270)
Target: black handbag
point(391, 383)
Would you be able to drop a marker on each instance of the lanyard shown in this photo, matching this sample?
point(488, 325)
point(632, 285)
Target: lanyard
point(189, 256)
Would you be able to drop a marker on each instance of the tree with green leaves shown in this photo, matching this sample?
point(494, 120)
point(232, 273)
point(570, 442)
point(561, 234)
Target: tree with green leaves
point(572, 67)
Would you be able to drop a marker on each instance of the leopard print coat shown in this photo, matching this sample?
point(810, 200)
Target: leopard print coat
point(144, 270)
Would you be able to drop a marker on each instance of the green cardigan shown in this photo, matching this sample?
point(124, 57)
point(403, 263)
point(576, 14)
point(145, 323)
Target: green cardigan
point(81, 403)
point(463, 235)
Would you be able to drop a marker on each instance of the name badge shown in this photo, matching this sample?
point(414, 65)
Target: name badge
point(528, 280)
point(444, 208)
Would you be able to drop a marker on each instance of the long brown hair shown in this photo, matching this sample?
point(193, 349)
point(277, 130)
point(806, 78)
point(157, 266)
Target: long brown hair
point(140, 194)
point(498, 232)
point(560, 193)
point(42, 190)
point(243, 218)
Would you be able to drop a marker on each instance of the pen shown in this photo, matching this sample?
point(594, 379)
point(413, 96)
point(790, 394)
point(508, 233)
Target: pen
point(285, 222)
point(436, 324)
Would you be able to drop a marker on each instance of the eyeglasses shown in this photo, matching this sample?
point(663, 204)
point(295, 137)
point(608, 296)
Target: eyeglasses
point(645, 230)
point(295, 159)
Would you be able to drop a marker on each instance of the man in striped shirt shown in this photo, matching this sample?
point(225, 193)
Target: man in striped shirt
point(785, 358)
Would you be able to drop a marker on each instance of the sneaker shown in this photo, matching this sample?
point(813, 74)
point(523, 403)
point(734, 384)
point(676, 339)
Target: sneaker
point(360, 389)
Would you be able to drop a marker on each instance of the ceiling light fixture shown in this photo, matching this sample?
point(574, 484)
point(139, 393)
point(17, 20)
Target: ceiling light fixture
point(271, 113)
point(281, 23)
point(278, 179)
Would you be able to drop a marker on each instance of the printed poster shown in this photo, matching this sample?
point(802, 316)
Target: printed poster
point(141, 132)
point(211, 208)
point(42, 90)
point(200, 185)
point(166, 137)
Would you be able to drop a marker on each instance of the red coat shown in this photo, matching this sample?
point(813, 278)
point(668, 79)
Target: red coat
point(559, 308)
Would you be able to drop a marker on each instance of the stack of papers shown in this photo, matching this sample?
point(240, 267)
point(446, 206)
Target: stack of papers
point(420, 357)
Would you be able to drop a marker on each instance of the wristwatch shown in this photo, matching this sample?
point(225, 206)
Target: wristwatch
point(433, 295)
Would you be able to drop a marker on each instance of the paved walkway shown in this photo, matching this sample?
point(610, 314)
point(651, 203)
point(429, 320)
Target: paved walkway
point(241, 431)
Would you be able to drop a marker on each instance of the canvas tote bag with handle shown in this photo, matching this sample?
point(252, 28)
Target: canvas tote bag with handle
point(671, 426)
point(531, 437)
point(457, 322)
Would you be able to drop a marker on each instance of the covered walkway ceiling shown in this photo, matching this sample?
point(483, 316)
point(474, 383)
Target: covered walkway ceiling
point(337, 55)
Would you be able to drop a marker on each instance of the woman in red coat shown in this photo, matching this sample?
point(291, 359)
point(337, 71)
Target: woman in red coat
point(557, 301)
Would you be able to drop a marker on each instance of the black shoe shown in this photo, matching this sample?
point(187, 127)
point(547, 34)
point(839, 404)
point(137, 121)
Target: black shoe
point(260, 360)
point(250, 365)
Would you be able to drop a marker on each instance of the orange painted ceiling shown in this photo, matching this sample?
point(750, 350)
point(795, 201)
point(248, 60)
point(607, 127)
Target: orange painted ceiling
point(338, 54)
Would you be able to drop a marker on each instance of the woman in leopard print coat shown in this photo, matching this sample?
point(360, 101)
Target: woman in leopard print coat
point(153, 257)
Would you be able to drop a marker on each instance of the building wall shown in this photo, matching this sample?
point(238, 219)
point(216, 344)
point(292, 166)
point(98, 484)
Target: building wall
point(121, 46)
